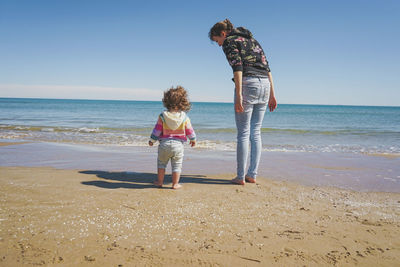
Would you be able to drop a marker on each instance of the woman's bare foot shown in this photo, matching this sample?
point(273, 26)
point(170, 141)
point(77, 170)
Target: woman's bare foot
point(250, 180)
point(156, 183)
point(176, 186)
point(237, 181)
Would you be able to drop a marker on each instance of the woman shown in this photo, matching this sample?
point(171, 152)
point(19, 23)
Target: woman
point(254, 91)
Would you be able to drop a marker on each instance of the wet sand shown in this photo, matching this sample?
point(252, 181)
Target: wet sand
point(12, 143)
point(91, 218)
point(348, 171)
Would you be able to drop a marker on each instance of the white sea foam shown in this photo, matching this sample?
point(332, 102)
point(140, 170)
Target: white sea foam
point(88, 130)
point(47, 130)
point(87, 135)
point(207, 141)
point(21, 128)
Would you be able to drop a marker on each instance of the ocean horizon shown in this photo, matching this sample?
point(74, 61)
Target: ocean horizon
point(212, 102)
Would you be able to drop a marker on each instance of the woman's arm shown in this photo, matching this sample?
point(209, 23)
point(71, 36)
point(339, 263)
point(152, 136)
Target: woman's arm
point(237, 76)
point(272, 101)
point(234, 58)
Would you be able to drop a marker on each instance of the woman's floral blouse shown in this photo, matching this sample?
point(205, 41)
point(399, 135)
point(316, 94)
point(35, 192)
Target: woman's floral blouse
point(245, 54)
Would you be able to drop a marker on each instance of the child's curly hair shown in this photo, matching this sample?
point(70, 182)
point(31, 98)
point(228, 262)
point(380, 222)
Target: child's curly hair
point(176, 99)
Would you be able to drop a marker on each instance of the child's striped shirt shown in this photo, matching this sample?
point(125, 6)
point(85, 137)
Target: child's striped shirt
point(173, 125)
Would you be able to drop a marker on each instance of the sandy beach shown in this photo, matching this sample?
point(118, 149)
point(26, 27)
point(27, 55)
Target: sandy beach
point(304, 94)
point(91, 218)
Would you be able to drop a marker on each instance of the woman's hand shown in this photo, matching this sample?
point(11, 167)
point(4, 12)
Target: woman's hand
point(272, 103)
point(239, 104)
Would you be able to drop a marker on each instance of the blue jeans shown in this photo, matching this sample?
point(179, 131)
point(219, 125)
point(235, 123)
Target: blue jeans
point(255, 92)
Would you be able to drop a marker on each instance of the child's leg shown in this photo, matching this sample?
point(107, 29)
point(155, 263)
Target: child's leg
point(160, 177)
point(163, 157)
point(176, 164)
point(175, 180)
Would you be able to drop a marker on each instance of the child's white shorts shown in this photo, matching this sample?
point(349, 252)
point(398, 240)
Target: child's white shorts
point(170, 149)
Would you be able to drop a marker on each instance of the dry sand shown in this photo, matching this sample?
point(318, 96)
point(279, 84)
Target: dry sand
point(94, 218)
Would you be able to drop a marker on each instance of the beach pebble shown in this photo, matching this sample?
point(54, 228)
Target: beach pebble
point(89, 258)
point(288, 249)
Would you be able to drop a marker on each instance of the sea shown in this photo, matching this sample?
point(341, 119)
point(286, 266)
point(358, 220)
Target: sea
point(290, 128)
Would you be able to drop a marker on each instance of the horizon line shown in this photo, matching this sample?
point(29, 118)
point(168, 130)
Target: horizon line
point(221, 102)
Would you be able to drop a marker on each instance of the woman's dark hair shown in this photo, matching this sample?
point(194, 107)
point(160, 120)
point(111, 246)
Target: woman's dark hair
point(218, 27)
point(176, 99)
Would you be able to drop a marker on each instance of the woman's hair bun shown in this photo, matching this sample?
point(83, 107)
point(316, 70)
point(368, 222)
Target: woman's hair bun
point(225, 25)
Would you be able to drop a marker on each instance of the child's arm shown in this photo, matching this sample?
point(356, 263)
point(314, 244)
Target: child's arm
point(157, 131)
point(189, 131)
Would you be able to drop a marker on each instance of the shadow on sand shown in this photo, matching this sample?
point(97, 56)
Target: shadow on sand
point(134, 180)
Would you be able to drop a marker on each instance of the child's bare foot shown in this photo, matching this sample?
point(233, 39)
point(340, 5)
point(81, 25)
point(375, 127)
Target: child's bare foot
point(156, 183)
point(176, 186)
point(237, 181)
point(250, 180)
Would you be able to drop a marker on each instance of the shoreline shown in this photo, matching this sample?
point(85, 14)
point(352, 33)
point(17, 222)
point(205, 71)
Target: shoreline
point(83, 217)
point(358, 172)
point(13, 143)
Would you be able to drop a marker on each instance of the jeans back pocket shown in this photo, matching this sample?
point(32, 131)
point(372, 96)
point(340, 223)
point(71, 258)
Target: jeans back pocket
point(255, 90)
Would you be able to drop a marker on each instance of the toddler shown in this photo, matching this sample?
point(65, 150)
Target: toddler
point(172, 130)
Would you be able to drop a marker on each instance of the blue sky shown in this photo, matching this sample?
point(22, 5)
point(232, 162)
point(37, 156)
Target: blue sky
point(320, 52)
